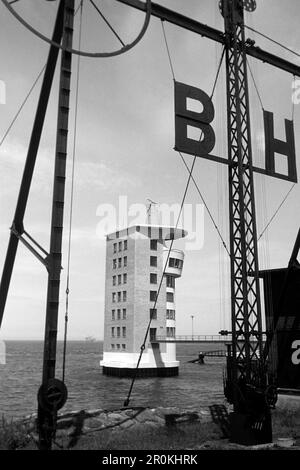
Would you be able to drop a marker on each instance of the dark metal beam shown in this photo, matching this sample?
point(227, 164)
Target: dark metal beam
point(178, 20)
point(211, 33)
point(30, 161)
point(274, 60)
point(295, 252)
point(46, 414)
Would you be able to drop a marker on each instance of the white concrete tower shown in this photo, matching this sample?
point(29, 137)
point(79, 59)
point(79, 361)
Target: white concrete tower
point(135, 261)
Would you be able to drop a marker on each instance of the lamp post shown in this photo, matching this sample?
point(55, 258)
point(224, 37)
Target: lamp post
point(192, 317)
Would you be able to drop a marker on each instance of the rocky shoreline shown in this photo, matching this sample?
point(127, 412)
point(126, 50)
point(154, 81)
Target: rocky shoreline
point(74, 427)
point(120, 419)
point(71, 425)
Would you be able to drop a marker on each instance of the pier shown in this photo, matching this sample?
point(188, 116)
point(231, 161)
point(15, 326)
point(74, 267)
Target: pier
point(192, 339)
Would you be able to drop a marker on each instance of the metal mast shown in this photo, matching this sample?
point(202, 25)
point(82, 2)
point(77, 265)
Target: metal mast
point(247, 379)
point(53, 393)
point(246, 307)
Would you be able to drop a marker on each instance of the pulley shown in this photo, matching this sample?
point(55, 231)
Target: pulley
point(42, 36)
point(248, 5)
point(52, 395)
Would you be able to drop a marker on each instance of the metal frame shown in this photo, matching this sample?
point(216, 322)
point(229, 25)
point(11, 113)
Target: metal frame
point(245, 289)
point(52, 393)
point(211, 33)
point(246, 310)
point(47, 418)
point(17, 229)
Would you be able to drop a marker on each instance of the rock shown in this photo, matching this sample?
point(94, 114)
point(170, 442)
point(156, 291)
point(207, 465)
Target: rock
point(63, 423)
point(150, 424)
point(95, 422)
point(146, 415)
point(127, 424)
point(114, 417)
point(93, 413)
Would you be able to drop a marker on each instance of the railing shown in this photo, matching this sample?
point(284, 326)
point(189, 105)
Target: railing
point(198, 339)
point(218, 353)
point(193, 338)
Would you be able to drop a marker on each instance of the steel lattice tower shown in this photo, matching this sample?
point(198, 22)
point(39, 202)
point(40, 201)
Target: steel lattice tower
point(245, 289)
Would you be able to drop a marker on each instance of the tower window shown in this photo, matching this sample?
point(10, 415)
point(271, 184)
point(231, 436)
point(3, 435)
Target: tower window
point(125, 261)
point(153, 294)
point(124, 313)
point(153, 313)
point(119, 279)
point(118, 332)
point(114, 280)
point(152, 334)
point(113, 332)
point(115, 248)
point(153, 245)
point(125, 278)
point(120, 246)
point(123, 346)
point(113, 314)
point(113, 297)
point(118, 346)
point(125, 245)
point(114, 263)
point(124, 331)
point(124, 295)
point(112, 346)
point(170, 297)
point(170, 314)
point(119, 314)
point(175, 263)
point(119, 296)
point(170, 332)
point(153, 261)
point(170, 281)
point(153, 278)
point(119, 262)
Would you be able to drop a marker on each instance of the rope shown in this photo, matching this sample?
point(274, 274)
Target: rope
point(27, 96)
point(255, 85)
point(190, 171)
point(107, 22)
point(72, 200)
point(22, 105)
point(206, 207)
point(218, 73)
point(290, 190)
point(277, 210)
point(182, 157)
point(293, 102)
point(168, 50)
point(273, 41)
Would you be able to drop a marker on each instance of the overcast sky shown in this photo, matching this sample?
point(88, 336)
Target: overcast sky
point(124, 148)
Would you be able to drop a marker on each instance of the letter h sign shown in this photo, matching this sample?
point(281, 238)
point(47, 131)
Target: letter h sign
point(185, 119)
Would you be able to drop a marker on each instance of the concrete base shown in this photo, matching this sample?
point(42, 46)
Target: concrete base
point(141, 372)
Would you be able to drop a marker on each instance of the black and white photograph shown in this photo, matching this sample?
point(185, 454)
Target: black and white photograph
point(149, 231)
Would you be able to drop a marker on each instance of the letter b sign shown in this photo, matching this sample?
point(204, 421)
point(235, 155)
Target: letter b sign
point(185, 118)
